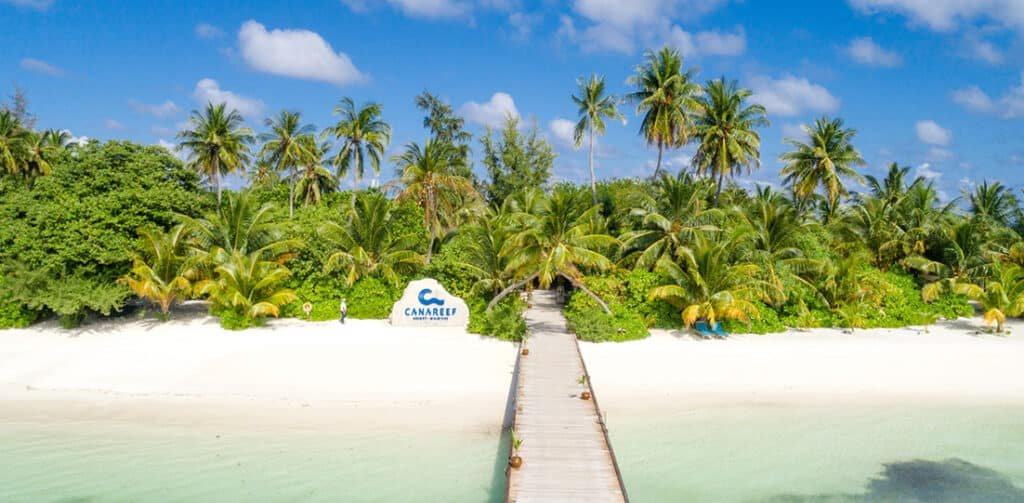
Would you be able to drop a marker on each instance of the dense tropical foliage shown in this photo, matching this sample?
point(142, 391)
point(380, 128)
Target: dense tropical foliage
point(106, 228)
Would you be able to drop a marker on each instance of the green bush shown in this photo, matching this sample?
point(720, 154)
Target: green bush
point(13, 315)
point(768, 322)
point(233, 320)
point(505, 321)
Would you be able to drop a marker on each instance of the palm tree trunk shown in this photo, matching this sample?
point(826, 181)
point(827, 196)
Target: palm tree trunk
point(291, 193)
point(579, 285)
point(721, 178)
point(215, 173)
point(355, 185)
point(657, 167)
point(593, 179)
point(510, 289)
point(430, 216)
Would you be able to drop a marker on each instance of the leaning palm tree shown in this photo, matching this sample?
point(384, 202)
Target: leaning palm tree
point(562, 240)
point(366, 243)
point(706, 284)
point(161, 272)
point(725, 130)
point(315, 180)
point(594, 107)
point(823, 160)
point(363, 135)
point(429, 177)
point(666, 96)
point(283, 149)
point(216, 142)
point(12, 143)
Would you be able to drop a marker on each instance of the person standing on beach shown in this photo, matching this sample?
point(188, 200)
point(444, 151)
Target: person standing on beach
point(344, 311)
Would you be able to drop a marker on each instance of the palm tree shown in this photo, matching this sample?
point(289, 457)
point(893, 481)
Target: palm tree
point(823, 159)
point(666, 96)
point(57, 138)
point(893, 187)
point(250, 285)
point(429, 177)
point(670, 220)
point(485, 261)
point(161, 272)
point(12, 142)
point(706, 284)
point(993, 202)
point(283, 149)
point(363, 135)
point(561, 240)
point(37, 156)
point(366, 243)
point(594, 107)
point(216, 142)
point(964, 263)
point(240, 228)
point(1002, 296)
point(315, 180)
point(775, 236)
point(726, 132)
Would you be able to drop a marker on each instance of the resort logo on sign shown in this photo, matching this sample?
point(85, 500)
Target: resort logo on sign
point(426, 303)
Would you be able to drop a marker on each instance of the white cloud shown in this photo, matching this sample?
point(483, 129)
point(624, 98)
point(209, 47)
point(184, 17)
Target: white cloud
point(165, 109)
point(113, 125)
point(789, 96)
point(932, 133)
point(208, 31)
point(983, 50)
point(866, 52)
point(493, 112)
point(30, 4)
point(301, 54)
point(434, 9)
point(523, 23)
point(623, 26)
point(709, 43)
point(794, 131)
point(944, 15)
point(40, 66)
point(1008, 106)
point(564, 131)
point(925, 171)
point(209, 91)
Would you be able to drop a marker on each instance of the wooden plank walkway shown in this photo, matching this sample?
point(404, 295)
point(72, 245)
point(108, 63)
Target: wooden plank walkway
point(566, 453)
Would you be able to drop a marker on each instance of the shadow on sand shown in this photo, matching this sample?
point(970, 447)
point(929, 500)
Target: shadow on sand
point(949, 481)
point(499, 479)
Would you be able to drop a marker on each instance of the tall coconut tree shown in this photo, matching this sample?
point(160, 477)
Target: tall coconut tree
point(57, 138)
point(315, 180)
point(217, 143)
point(428, 175)
point(823, 159)
point(38, 154)
point(13, 136)
point(893, 187)
point(666, 97)
point(283, 149)
point(363, 135)
point(993, 202)
point(726, 130)
point(563, 239)
point(594, 107)
point(161, 272)
point(365, 242)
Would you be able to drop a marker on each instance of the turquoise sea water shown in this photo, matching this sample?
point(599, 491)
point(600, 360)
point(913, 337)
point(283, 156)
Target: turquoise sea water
point(720, 453)
point(104, 462)
point(787, 453)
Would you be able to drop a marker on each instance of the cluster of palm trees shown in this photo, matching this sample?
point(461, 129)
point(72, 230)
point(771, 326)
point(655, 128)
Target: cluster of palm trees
point(27, 154)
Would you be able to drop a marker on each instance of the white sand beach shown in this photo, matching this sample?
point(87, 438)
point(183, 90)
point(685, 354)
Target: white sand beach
point(948, 363)
point(365, 373)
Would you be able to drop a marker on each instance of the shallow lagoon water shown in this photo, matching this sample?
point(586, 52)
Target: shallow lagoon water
point(101, 462)
point(800, 453)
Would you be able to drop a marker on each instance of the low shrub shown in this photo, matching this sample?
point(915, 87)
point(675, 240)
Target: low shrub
point(505, 321)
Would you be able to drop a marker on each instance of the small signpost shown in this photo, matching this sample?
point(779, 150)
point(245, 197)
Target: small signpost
point(425, 303)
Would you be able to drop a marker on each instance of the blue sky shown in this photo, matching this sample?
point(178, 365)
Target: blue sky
point(933, 84)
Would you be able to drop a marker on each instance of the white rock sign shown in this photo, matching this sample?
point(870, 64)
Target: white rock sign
point(425, 303)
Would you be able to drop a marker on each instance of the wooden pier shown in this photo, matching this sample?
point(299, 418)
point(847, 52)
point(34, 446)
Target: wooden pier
point(565, 449)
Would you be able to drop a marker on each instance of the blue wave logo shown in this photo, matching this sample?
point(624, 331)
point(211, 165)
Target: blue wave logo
point(427, 301)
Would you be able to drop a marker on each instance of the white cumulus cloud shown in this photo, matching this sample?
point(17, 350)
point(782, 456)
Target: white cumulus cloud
point(709, 43)
point(789, 96)
point(932, 133)
point(491, 113)
point(983, 51)
point(40, 66)
point(866, 52)
point(301, 54)
point(209, 91)
point(1008, 106)
point(944, 15)
point(165, 109)
point(563, 131)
